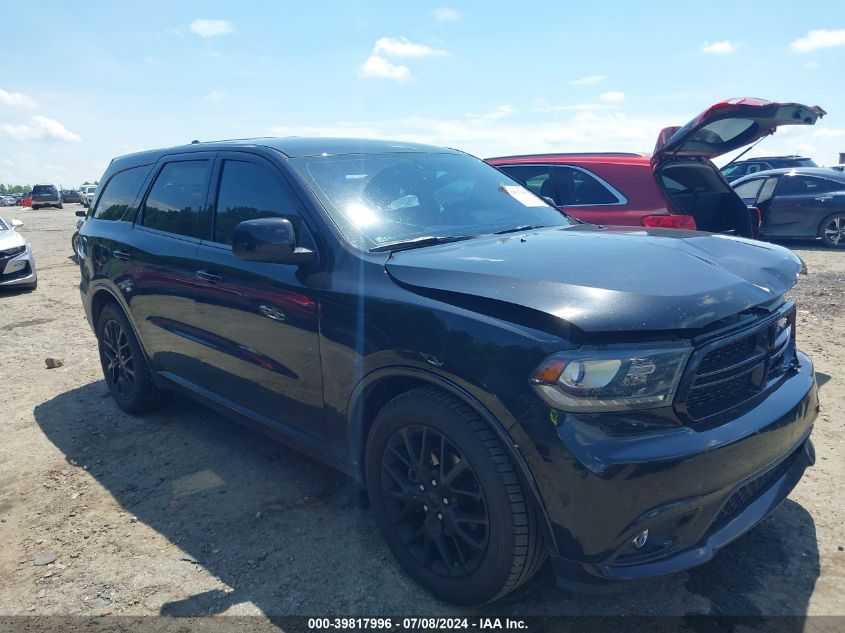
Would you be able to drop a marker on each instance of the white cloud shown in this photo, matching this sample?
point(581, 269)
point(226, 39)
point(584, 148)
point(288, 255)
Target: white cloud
point(376, 67)
point(40, 128)
point(719, 48)
point(612, 97)
point(578, 131)
point(214, 95)
point(402, 47)
point(211, 28)
point(828, 132)
point(445, 14)
point(491, 115)
point(818, 38)
point(588, 80)
point(17, 100)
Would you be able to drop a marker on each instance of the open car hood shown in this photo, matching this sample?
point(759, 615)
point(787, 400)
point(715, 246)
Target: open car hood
point(603, 279)
point(730, 125)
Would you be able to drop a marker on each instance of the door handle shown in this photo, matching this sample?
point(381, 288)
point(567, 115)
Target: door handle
point(209, 277)
point(124, 255)
point(822, 198)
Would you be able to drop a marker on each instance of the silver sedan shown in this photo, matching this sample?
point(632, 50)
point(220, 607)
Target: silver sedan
point(17, 263)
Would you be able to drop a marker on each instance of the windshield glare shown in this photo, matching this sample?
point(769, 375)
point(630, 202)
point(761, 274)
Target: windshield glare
point(378, 199)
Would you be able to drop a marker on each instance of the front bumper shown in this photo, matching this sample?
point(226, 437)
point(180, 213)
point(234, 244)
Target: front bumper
point(18, 270)
point(693, 490)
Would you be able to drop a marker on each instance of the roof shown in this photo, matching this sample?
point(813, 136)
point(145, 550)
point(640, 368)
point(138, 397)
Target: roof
point(574, 157)
point(756, 158)
point(299, 147)
point(821, 172)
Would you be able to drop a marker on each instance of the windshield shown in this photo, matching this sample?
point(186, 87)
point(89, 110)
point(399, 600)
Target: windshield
point(378, 199)
point(89, 189)
point(3, 225)
point(42, 189)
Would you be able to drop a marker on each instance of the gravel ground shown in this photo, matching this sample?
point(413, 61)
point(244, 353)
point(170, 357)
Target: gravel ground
point(184, 513)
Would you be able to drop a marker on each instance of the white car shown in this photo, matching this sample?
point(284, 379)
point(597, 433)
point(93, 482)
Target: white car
point(88, 192)
point(17, 264)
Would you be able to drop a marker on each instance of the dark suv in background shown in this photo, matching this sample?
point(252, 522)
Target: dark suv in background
point(46, 196)
point(507, 383)
point(740, 168)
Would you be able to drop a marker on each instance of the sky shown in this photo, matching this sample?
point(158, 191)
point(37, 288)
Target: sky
point(82, 83)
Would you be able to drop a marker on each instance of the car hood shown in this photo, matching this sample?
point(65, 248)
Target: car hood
point(729, 125)
point(604, 279)
point(10, 239)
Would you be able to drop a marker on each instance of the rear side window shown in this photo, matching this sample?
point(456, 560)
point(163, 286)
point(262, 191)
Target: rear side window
point(803, 185)
point(120, 193)
point(567, 186)
point(748, 190)
point(249, 191)
point(175, 201)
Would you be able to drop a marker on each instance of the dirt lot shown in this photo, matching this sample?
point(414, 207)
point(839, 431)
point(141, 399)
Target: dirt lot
point(185, 513)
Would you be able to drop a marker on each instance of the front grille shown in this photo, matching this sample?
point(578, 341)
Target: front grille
point(735, 371)
point(750, 492)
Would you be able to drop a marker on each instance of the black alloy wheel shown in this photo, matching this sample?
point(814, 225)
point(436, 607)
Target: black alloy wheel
point(449, 501)
point(435, 501)
point(125, 368)
point(118, 365)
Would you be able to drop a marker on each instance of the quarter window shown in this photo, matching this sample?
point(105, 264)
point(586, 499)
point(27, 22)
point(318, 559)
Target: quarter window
point(174, 202)
point(249, 191)
point(120, 192)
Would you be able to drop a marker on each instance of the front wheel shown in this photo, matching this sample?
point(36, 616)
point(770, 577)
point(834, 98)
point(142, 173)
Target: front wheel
point(448, 499)
point(832, 230)
point(125, 368)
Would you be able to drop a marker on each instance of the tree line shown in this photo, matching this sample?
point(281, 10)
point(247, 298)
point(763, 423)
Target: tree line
point(4, 188)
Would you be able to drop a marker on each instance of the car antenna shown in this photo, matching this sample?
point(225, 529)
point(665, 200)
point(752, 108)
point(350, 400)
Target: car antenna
point(747, 149)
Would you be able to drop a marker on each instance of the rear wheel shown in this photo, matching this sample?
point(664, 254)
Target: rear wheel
point(448, 499)
point(74, 244)
point(125, 368)
point(35, 207)
point(832, 230)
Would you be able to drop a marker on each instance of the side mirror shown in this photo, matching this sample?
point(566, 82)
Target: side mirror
point(270, 240)
point(81, 214)
point(16, 224)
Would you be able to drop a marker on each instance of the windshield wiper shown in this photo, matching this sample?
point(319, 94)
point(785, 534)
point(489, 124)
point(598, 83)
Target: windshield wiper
point(426, 240)
point(523, 227)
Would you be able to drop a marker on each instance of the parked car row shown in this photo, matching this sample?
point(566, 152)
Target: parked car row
point(508, 383)
point(678, 187)
point(17, 263)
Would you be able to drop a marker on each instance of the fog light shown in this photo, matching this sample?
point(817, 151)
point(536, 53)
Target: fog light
point(640, 539)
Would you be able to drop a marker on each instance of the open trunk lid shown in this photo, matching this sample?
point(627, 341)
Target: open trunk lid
point(729, 125)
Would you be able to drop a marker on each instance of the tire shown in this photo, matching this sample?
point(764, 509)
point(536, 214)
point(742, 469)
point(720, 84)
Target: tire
point(35, 207)
point(134, 390)
point(33, 286)
point(74, 245)
point(61, 206)
point(832, 230)
point(431, 513)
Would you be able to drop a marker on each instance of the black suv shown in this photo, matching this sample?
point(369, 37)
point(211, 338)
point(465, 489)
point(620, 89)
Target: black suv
point(738, 169)
point(507, 383)
point(46, 196)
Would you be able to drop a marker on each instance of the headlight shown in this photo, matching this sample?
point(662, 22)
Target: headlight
point(612, 378)
point(11, 252)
